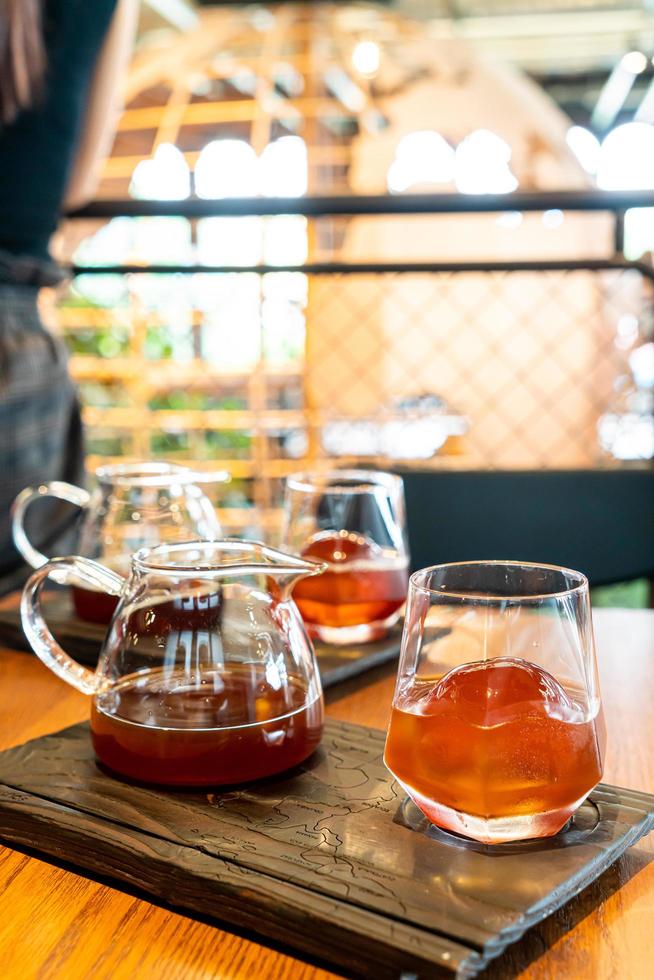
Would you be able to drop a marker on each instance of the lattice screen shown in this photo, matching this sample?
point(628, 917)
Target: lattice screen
point(511, 354)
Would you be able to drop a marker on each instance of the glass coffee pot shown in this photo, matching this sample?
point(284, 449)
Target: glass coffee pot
point(355, 521)
point(206, 675)
point(135, 505)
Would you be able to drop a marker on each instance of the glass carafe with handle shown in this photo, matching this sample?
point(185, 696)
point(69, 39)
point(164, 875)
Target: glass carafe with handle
point(133, 506)
point(207, 675)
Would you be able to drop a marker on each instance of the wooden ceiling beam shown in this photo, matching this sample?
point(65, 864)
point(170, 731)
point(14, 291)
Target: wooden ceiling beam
point(206, 113)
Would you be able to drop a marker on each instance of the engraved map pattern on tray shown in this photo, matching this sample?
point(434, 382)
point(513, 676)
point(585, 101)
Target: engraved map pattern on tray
point(336, 830)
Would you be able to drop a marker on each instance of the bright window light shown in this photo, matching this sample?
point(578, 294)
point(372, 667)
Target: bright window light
point(641, 362)
point(285, 240)
point(227, 168)
point(231, 168)
point(283, 332)
point(292, 287)
point(242, 311)
point(509, 219)
point(158, 241)
point(283, 168)
point(645, 111)
point(616, 89)
point(244, 80)
point(585, 146)
point(231, 329)
point(627, 331)
point(229, 241)
point(345, 89)
point(161, 241)
point(111, 243)
point(423, 157)
point(634, 62)
point(366, 57)
point(482, 164)
point(179, 14)
point(627, 158)
point(638, 232)
point(165, 177)
point(552, 218)
point(288, 78)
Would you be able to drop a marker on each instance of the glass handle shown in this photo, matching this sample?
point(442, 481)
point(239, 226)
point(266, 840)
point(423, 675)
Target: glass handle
point(65, 571)
point(203, 514)
point(58, 489)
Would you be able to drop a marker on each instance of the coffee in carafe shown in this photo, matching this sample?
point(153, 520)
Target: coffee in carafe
point(207, 675)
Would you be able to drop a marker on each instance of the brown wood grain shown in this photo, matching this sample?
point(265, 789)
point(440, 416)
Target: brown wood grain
point(54, 923)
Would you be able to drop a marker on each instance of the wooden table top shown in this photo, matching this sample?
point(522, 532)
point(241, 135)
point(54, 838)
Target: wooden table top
point(57, 924)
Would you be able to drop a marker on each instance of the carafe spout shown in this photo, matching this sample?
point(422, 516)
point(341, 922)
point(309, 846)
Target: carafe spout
point(287, 570)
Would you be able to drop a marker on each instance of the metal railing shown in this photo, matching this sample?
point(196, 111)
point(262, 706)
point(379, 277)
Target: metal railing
point(525, 353)
point(614, 203)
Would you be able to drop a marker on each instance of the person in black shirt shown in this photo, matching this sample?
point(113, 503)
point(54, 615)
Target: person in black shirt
point(60, 66)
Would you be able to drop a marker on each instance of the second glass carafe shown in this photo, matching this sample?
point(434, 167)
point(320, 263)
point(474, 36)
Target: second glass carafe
point(355, 521)
point(133, 506)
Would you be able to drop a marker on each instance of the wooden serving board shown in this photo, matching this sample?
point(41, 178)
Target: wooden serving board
point(83, 640)
point(329, 859)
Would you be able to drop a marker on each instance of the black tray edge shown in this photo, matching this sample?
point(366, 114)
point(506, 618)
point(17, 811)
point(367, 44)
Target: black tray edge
point(538, 913)
point(344, 950)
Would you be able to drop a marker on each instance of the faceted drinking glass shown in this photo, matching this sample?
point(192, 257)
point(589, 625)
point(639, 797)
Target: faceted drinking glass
point(353, 520)
point(497, 730)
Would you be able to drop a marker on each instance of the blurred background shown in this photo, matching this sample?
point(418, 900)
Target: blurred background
point(413, 235)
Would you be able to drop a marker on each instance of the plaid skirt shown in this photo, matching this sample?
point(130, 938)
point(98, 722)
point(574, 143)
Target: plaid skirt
point(40, 425)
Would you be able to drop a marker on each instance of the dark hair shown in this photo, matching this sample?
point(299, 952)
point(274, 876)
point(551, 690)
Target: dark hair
point(22, 56)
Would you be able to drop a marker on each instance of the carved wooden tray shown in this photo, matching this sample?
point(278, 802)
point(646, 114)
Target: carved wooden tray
point(83, 640)
point(329, 859)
